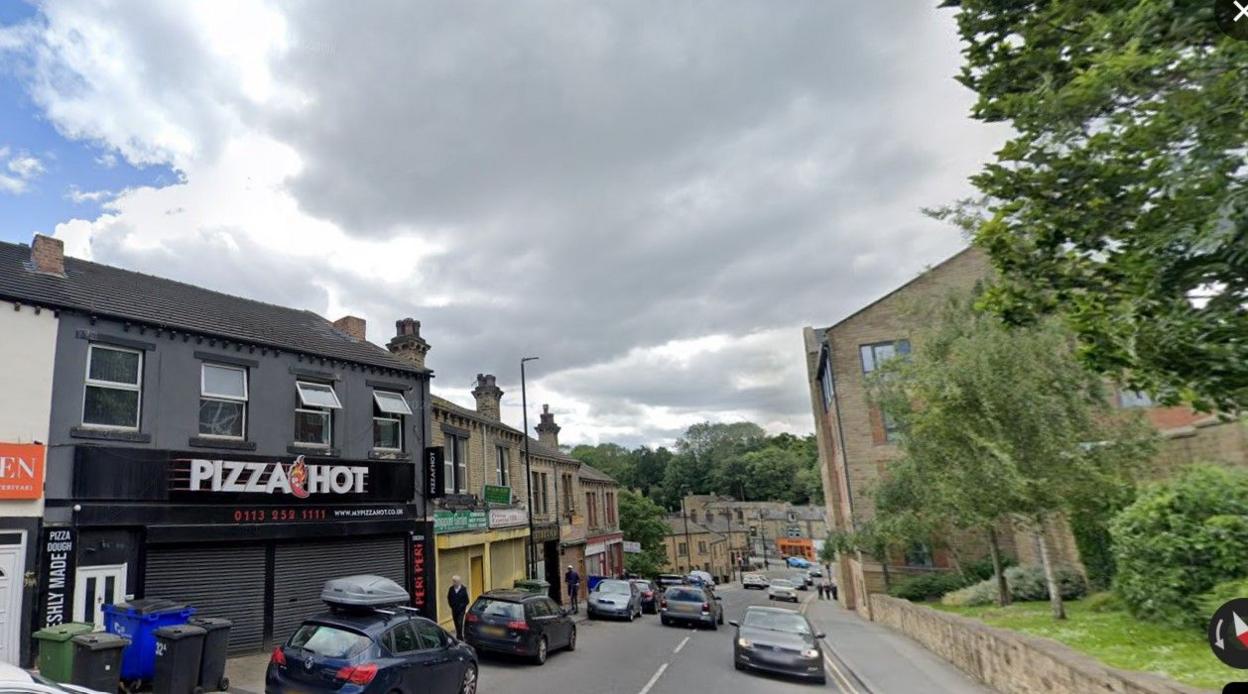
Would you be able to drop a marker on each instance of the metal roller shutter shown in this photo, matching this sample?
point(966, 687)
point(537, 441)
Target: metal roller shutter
point(218, 582)
point(301, 569)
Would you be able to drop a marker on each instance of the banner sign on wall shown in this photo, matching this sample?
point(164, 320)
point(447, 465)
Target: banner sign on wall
point(21, 470)
point(497, 494)
point(459, 521)
point(435, 459)
point(508, 517)
point(632, 547)
point(57, 575)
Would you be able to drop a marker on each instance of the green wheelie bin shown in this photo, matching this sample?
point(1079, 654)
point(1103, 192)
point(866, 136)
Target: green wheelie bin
point(56, 649)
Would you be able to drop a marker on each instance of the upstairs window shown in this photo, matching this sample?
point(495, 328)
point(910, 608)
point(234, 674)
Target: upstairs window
point(388, 411)
point(455, 467)
point(114, 387)
point(223, 401)
point(314, 416)
point(825, 383)
point(502, 462)
point(874, 355)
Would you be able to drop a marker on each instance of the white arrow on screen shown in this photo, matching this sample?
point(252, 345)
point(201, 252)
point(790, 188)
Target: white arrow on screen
point(1241, 629)
point(1217, 640)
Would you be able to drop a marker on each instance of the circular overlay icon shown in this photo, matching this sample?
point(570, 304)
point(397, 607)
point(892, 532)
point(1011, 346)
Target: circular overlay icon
point(1232, 17)
point(1228, 633)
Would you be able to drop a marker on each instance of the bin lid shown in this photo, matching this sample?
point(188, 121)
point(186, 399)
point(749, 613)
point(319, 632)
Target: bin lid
point(63, 632)
point(101, 641)
point(177, 632)
point(363, 591)
point(532, 584)
point(211, 623)
point(146, 606)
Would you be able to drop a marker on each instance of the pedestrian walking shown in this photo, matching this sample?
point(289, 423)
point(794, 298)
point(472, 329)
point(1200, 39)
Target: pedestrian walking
point(573, 580)
point(823, 590)
point(457, 598)
point(832, 587)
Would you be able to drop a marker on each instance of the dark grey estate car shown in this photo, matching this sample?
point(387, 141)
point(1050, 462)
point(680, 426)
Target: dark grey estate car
point(780, 641)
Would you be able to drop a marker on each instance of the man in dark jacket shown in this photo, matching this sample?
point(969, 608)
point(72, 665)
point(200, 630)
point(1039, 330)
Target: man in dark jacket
point(573, 579)
point(457, 598)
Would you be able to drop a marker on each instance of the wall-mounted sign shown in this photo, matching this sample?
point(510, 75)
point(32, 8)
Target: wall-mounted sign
point(298, 478)
point(435, 459)
point(424, 573)
point(459, 521)
point(21, 470)
point(632, 547)
point(595, 548)
point(497, 494)
point(57, 575)
point(546, 532)
point(508, 517)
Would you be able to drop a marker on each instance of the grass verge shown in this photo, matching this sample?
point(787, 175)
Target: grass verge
point(1115, 638)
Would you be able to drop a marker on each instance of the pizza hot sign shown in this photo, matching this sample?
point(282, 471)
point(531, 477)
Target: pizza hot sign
point(298, 479)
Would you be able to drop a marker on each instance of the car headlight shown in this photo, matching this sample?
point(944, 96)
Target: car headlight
point(745, 643)
point(810, 653)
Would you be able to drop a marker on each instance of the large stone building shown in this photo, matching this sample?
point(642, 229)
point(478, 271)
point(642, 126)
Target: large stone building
point(751, 532)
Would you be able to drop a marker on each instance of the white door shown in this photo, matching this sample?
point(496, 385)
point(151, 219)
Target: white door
point(12, 568)
point(95, 587)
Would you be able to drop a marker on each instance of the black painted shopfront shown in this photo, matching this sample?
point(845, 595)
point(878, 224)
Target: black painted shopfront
point(247, 537)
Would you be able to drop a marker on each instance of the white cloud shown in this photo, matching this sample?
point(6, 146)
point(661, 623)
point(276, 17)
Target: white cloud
point(23, 168)
point(78, 196)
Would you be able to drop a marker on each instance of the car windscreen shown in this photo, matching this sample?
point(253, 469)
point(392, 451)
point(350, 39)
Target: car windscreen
point(781, 583)
point(485, 607)
point(685, 595)
point(329, 641)
point(614, 587)
point(776, 621)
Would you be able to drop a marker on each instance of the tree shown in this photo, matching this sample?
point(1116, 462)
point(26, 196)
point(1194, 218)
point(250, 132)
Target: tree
point(650, 466)
point(998, 422)
point(641, 521)
point(611, 458)
point(1121, 201)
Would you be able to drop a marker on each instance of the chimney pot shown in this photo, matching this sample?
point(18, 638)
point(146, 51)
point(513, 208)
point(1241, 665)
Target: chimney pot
point(407, 344)
point(352, 327)
point(489, 397)
point(47, 254)
point(547, 430)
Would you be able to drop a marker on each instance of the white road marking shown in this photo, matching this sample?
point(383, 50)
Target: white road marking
point(681, 645)
point(806, 603)
point(840, 676)
point(653, 679)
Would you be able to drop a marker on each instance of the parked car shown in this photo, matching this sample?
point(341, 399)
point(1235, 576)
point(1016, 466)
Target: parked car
point(15, 679)
point(751, 581)
point(371, 652)
point(690, 604)
point(665, 580)
point(798, 562)
point(649, 596)
point(614, 598)
point(780, 641)
point(816, 572)
point(518, 622)
point(801, 579)
point(702, 578)
point(780, 589)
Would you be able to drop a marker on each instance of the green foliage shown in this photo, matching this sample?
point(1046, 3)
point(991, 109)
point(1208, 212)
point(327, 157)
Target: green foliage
point(981, 569)
point(641, 520)
point(1105, 601)
point(1121, 201)
point(1210, 600)
point(1179, 539)
point(1026, 584)
point(927, 586)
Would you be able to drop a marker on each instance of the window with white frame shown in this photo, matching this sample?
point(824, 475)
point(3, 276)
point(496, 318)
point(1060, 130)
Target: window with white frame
point(389, 409)
point(114, 387)
point(502, 463)
point(455, 467)
point(874, 355)
point(825, 383)
point(223, 401)
point(314, 414)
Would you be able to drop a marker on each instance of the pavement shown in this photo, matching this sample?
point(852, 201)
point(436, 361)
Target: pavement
point(645, 657)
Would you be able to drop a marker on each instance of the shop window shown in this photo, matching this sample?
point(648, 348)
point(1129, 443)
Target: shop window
point(502, 463)
point(874, 355)
point(314, 417)
point(223, 401)
point(388, 411)
point(114, 386)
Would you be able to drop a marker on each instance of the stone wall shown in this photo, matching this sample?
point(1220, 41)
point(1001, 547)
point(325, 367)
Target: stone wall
point(1010, 662)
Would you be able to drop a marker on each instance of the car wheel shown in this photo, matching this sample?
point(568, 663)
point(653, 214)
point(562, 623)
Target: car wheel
point(721, 617)
point(572, 640)
point(469, 685)
point(540, 658)
point(630, 614)
point(665, 621)
point(738, 664)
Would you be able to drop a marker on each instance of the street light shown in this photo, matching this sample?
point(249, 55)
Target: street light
point(528, 465)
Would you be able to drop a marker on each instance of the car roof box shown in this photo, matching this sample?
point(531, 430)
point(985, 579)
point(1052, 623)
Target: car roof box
point(363, 591)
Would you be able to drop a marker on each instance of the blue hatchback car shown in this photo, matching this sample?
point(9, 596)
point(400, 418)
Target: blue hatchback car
point(371, 652)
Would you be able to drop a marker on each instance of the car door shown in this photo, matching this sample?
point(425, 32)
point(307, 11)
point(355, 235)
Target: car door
point(560, 625)
point(540, 617)
point(442, 671)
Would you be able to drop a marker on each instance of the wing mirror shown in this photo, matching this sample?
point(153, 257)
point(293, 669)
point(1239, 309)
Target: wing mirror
point(820, 635)
point(718, 598)
point(734, 622)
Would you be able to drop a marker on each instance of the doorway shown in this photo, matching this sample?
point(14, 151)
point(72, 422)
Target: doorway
point(12, 570)
point(554, 573)
point(95, 587)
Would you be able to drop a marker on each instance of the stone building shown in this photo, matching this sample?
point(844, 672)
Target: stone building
point(691, 545)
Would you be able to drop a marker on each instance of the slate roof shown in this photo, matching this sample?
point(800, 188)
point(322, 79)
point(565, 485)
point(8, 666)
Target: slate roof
point(461, 411)
point(110, 291)
point(676, 526)
point(596, 475)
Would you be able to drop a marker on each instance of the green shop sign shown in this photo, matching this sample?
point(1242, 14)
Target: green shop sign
point(459, 521)
point(495, 494)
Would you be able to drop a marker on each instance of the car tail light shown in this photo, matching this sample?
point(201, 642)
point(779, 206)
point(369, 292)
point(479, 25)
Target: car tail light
point(279, 658)
point(358, 674)
point(706, 607)
point(471, 618)
point(518, 625)
point(663, 603)
point(648, 594)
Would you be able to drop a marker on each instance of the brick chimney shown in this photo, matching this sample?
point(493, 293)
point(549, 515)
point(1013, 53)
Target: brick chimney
point(352, 327)
point(47, 255)
point(407, 344)
point(489, 397)
point(547, 430)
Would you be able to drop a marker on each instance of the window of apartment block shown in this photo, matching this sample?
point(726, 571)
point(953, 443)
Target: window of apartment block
point(591, 509)
point(874, 355)
point(314, 421)
point(114, 385)
point(455, 465)
point(1134, 398)
point(502, 463)
point(682, 550)
point(568, 495)
point(701, 547)
point(389, 408)
point(740, 516)
point(545, 489)
point(223, 401)
point(610, 506)
point(825, 383)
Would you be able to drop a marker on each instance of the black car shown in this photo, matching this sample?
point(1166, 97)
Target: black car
point(371, 652)
point(780, 641)
point(690, 605)
point(649, 596)
point(519, 623)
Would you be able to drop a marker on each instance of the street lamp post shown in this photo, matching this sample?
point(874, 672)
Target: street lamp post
point(528, 466)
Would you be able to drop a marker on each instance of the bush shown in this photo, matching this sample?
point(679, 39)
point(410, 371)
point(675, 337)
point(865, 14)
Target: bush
point(1212, 599)
point(1178, 540)
point(1103, 602)
point(927, 586)
point(981, 569)
point(1026, 584)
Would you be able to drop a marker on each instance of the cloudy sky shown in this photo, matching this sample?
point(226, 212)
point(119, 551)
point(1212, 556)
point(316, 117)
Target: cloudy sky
point(653, 197)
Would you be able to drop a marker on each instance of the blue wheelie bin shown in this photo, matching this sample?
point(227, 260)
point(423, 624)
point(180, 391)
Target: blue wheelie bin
point(138, 620)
